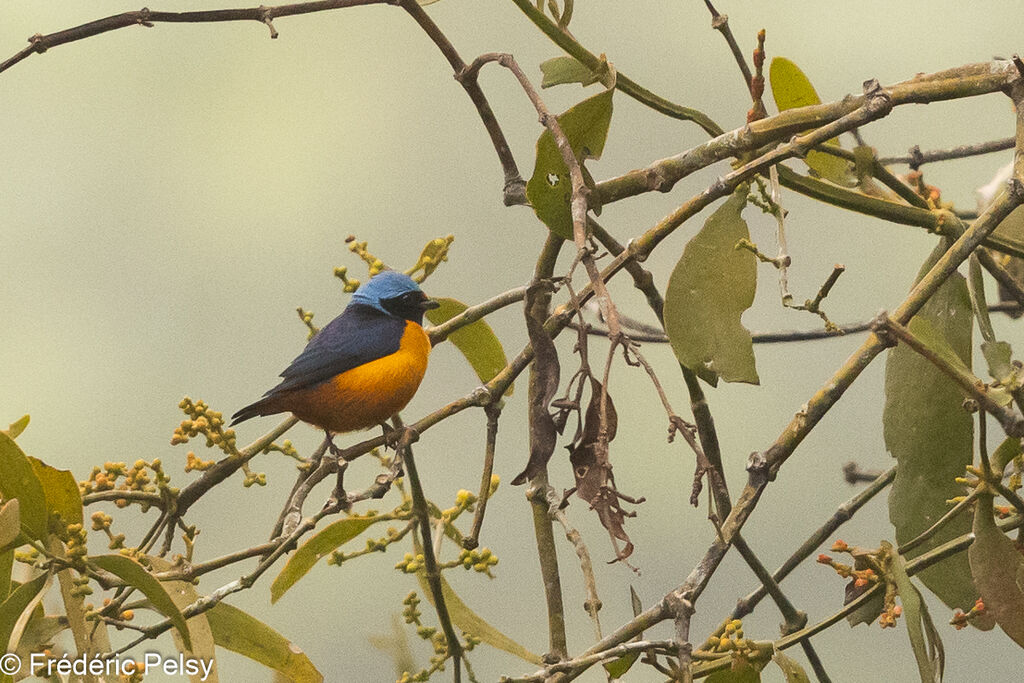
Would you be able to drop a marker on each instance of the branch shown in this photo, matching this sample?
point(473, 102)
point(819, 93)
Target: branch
point(145, 17)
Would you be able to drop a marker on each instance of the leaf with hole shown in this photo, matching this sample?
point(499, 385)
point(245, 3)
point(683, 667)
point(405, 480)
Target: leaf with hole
point(549, 189)
point(710, 288)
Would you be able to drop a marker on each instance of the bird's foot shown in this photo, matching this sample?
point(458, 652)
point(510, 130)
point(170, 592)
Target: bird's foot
point(399, 438)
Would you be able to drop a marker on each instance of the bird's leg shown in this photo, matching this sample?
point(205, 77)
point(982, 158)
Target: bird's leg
point(339, 499)
point(391, 436)
point(335, 451)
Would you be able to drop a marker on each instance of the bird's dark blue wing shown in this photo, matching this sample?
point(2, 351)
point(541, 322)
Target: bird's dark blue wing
point(359, 335)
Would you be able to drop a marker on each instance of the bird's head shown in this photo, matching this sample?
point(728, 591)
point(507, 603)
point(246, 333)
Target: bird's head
point(396, 294)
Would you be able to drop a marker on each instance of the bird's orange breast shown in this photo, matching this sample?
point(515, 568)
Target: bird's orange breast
point(368, 394)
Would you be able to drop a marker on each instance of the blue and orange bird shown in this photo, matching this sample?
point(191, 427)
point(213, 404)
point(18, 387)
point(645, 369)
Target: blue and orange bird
point(362, 367)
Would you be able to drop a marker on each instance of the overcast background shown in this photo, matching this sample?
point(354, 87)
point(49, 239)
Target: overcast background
point(171, 194)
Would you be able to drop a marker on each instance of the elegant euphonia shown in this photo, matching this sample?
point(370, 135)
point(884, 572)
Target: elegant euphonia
point(362, 367)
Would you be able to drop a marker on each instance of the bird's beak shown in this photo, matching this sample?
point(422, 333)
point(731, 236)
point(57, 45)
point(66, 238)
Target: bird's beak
point(429, 304)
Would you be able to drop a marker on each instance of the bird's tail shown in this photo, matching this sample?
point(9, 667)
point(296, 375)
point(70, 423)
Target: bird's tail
point(260, 407)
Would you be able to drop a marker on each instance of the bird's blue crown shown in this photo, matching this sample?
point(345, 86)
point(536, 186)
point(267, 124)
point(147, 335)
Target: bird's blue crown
point(385, 285)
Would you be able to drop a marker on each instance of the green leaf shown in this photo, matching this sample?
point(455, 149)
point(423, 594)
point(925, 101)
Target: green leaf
point(242, 633)
point(134, 574)
point(1010, 233)
point(476, 341)
point(868, 612)
point(18, 480)
point(998, 569)
point(924, 330)
point(617, 668)
point(710, 288)
point(6, 566)
point(1004, 453)
point(312, 551)
point(40, 631)
point(471, 622)
point(791, 669)
point(17, 427)
point(565, 69)
point(550, 189)
point(17, 608)
point(792, 89)
point(10, 523)
point(743, 673)
point(184, 593)
point(60, 488)
point(931, 436)
point(999, 358)
point(924, 639)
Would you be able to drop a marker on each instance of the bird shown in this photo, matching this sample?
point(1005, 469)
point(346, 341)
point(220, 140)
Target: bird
point(362, 367)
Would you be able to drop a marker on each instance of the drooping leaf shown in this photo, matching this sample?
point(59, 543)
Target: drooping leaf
point(791, 669)
point(472, 623)
point(17, 608)
point(792, 89)
point(565, 69)
point(248, 636)
point(19, 480)
point(184, 593)
point(592, 469)
point(549, 188)
point(931, 436)
point(998, 569)
point(134, 574)
point(476, 341)
point(17, 427)
point(710, 288)
point(544, 376)
point(61, 491)
point(312, 551)
point(924, 638)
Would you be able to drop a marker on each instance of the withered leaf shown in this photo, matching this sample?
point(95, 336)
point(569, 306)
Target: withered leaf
point(543, 382)
point(593, 470)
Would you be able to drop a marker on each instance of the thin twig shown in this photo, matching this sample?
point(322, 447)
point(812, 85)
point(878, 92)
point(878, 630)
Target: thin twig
point(493, 412)
point(430, 567)
point(1012, 422)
